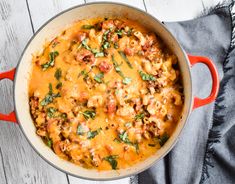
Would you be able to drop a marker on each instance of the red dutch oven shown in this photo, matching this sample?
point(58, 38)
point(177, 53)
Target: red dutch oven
point(20, 75)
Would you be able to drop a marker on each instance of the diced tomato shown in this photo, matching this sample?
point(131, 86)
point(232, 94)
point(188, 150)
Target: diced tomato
point(105, 67)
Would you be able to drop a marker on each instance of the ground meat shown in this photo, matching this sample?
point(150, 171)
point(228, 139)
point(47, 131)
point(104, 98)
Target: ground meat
point(154, 84)
point(34, 104)
point(85, 56)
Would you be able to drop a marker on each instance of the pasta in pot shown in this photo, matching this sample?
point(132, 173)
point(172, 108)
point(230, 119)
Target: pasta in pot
point(105, 93)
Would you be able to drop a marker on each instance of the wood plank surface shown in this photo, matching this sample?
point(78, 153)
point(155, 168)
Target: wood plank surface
point(2, 170)
point(43, 10)
point(174, 10)
point(136, 3)
point(21, 164)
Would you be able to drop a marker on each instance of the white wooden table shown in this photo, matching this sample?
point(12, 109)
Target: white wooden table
point(19, 19)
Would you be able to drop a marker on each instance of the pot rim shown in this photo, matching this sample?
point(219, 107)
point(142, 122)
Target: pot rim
point(188, 111)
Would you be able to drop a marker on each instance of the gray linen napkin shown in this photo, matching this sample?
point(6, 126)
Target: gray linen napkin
point(205, 152)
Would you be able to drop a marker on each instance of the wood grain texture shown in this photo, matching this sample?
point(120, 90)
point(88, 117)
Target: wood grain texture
point(174, 10)
point(2, 171)
point(18, 162)
point(43, 10)
point(136, 3)
point(21, 164)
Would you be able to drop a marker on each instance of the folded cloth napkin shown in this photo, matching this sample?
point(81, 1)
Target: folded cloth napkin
point(205, 152)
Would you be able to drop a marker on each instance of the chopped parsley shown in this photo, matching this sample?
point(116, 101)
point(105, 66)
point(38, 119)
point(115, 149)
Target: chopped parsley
point(89, 114)
point(119, 33)
point(64, 115)
point(99, 77)
point(84, 44)
point(105, 43)
point(124, 138)
point(80, 130)
point(51, 112)
point(111, 159)
point(92, 134)
point(49, 141)
point(163, 139)
point(116, 45)
point(83, 73)
point(94, 51)
point(49, 97)
point(59, 85)
point(137, 149)
point(123, 55)
point(98, 54)
point(128, 124)
point(51, 62)
point(58, 73)
point(117, 67)
point(126, 80)
point(147, 77)
point(152, 145)
point(116, 140)
point(139, 116)
point(88, 26)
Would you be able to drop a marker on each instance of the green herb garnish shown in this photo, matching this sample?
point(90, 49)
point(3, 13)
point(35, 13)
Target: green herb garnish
point(89, 114)
point(88, 26)
point(128, 124)
point(119, 32)
point(94, 51)
point(139, 116)
point(49, 97)
point(84, 44)
point(147, 77)
point(116, 45)
point(83, 73)
point(163, 139)
point(106, 45)
point(126, 80)
point(117, 67)
point(99, 54)
point(49, 143)
point(51, 112)
point(59, 85)
point(117, 140)
point(137, 149)
point(92, 134)
point(111, 159)
point(152, 145)
point(123, 55)
point(64, 116)
point(99, 77)
point(124, 138)
point(58, 73)
point(51, 62)
point(80, 130)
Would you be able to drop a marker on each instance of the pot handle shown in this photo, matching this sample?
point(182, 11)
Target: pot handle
point(8, 117)
point(198, 102)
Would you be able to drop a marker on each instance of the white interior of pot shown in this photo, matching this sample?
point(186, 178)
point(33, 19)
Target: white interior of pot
point(48, 32)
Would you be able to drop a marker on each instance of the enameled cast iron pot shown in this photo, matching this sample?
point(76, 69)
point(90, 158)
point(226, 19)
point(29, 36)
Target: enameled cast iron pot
point(21, 75)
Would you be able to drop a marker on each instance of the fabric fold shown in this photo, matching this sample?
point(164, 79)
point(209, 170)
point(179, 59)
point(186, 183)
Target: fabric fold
point(205, 151)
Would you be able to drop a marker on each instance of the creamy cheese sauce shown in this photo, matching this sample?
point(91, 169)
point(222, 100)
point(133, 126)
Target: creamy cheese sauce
point(105, 93)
